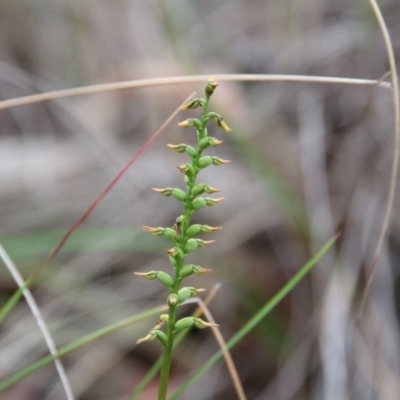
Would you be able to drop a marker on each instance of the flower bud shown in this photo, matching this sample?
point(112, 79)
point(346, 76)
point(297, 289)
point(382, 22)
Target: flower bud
point(180, 148)
point(205, 161)
point(191, 245)
point(212, 202)
point(203, 243)
point(187, 123)
point(219, 121)
point(209, 141)
point(210, 190)
point(186, 271)
point(184, 294)
point(165, 192)
point(154, 231)
point(184, 323)
point(165, 279)
point(162, 337)
point(201, 324)
point(209, 229)
point(199, 203)
point(194, 292)
point(200, 271)
point(210, 87)
point(170, 234)
point(219, 161)
point(194, 230)
point(195, 103)
point(191, 152)
point(149, 337)
point(198, 189)
point(186, 169)
point(179, 194)
point(147, 275)
point(175, 253)
point(173, 299)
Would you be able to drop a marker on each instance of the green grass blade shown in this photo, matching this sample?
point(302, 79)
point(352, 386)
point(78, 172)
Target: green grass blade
point(77, 344)
point(268, 307)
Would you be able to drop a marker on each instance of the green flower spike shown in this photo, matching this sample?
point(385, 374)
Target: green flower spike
point(184, 232)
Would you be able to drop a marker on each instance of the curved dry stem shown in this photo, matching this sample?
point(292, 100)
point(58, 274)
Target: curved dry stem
point(227, 355)
point(395, 162)
point(140, 83)
point(40, 321)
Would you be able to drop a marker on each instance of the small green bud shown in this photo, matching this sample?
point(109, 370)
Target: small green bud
point(184, 294)
point(198, 189)
point(173, 299)
point(209, 141)
point(210, 87)
point(184, 323)
point(175, 253)
point(170, 234)
point(173, 261)
point(162, 337)
point(165, 279)
point(147, 275)
point(187, 169)
point(194, 230)
point(179, 194)
point(218, 161)
point(191, 152)
point(199, 203)
point(205, 161)
point(195, 103)
point(191, 245)
point(186, 271)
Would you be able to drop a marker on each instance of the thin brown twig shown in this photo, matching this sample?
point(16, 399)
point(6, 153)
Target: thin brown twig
point(227, 355)
point(140, 83)
point(396, 150)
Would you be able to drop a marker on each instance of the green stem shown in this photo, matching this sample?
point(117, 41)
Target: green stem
point(167, 355)
point(187, 214)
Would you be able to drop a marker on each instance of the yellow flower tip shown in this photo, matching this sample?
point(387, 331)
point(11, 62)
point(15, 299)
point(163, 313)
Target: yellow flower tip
point(173, 146)
point(185, 106)
point(208, 241)
point(224, 126)
point(185, 124)
point(212, 82)
point(139, 273)
point(149, 229)
point(200, 290)
point(157, 190)
point(219, 199)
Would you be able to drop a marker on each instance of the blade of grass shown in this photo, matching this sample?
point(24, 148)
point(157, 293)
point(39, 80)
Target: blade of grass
point(396, 151)
point(77, 344)
point(140, 83)
point(256, 319)
point(40, 321)
point(6, 309)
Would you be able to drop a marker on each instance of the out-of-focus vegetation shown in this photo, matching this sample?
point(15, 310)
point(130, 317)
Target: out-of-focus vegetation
point(308, 160)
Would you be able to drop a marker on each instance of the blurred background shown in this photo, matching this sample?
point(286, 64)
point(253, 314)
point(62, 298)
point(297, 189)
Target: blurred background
point(308, 160)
